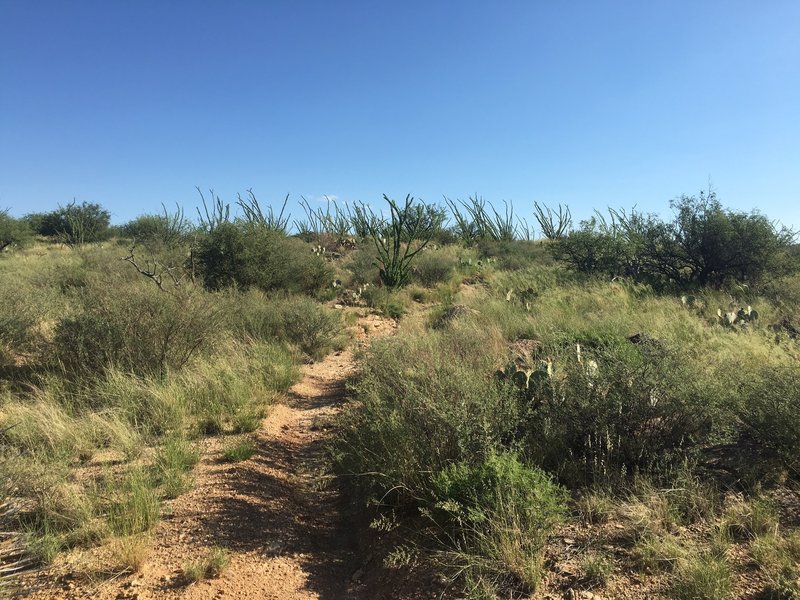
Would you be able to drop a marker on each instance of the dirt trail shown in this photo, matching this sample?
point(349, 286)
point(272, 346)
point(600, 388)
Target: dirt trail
point(287, 526)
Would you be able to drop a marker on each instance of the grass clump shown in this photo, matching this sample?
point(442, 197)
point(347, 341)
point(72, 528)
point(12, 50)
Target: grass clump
point(597, 568)
point(595, 507)
point(173, 464)
point(239, 451)
point(134, 505)
point(660, 553)
point(746, 519)
point(211, 566)
point(129, 553)
point(778, 557)
point(702, 577)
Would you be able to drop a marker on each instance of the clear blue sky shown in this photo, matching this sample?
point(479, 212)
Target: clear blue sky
point(134, 103)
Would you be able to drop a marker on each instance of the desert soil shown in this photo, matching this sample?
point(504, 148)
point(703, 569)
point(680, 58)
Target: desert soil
point(291, 530)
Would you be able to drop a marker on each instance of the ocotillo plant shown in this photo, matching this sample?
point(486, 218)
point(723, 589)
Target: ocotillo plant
point(399, 239)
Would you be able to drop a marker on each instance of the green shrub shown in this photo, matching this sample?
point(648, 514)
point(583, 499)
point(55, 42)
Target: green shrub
point(770, 415)
point(424, 401)
point(619, 410)
point(705, 244)
point(136, 328)
point(245, 256)
point(514, 255)
point(74, 224)
point(297, 320)
point(170, 230)
point(497, 517)
point(13, 232)
point(361, 266)
point(466, 496)
point(435, 266)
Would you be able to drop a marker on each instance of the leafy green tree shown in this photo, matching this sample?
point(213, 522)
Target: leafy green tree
point(13, 231)
point(704, 244)
point(73, 224)
point(712, 245)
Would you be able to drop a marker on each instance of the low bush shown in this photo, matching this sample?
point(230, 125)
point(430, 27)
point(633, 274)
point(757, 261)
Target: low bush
point(297, 320)
point(770, 416)
point(496, 517)
point(135, 328)
point(169, 230)
point(515, 255)
point(617, 410)
point(20, 318)
point(425, 401)
point(13, 232)
point(435, 265)
point(247, 256)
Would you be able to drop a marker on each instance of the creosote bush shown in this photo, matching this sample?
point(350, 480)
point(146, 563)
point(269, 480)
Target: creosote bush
point(136, 328)
point(424, 401)
point(622, 409)
point(74, 224)
point(297, 320)
point(246, 256)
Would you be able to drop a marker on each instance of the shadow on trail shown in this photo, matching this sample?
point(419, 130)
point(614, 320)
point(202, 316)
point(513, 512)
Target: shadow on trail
point(279, 507)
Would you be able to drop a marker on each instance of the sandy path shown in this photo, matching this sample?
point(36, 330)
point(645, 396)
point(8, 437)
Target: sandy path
point(286, 524)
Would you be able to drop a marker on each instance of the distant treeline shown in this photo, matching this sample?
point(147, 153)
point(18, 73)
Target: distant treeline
point(703, 243)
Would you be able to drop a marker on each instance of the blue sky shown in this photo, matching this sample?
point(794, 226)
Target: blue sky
point(134, 103)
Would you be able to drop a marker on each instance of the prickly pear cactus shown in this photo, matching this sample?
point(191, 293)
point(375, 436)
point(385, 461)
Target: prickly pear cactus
point(529, 383)
point(737, 317)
